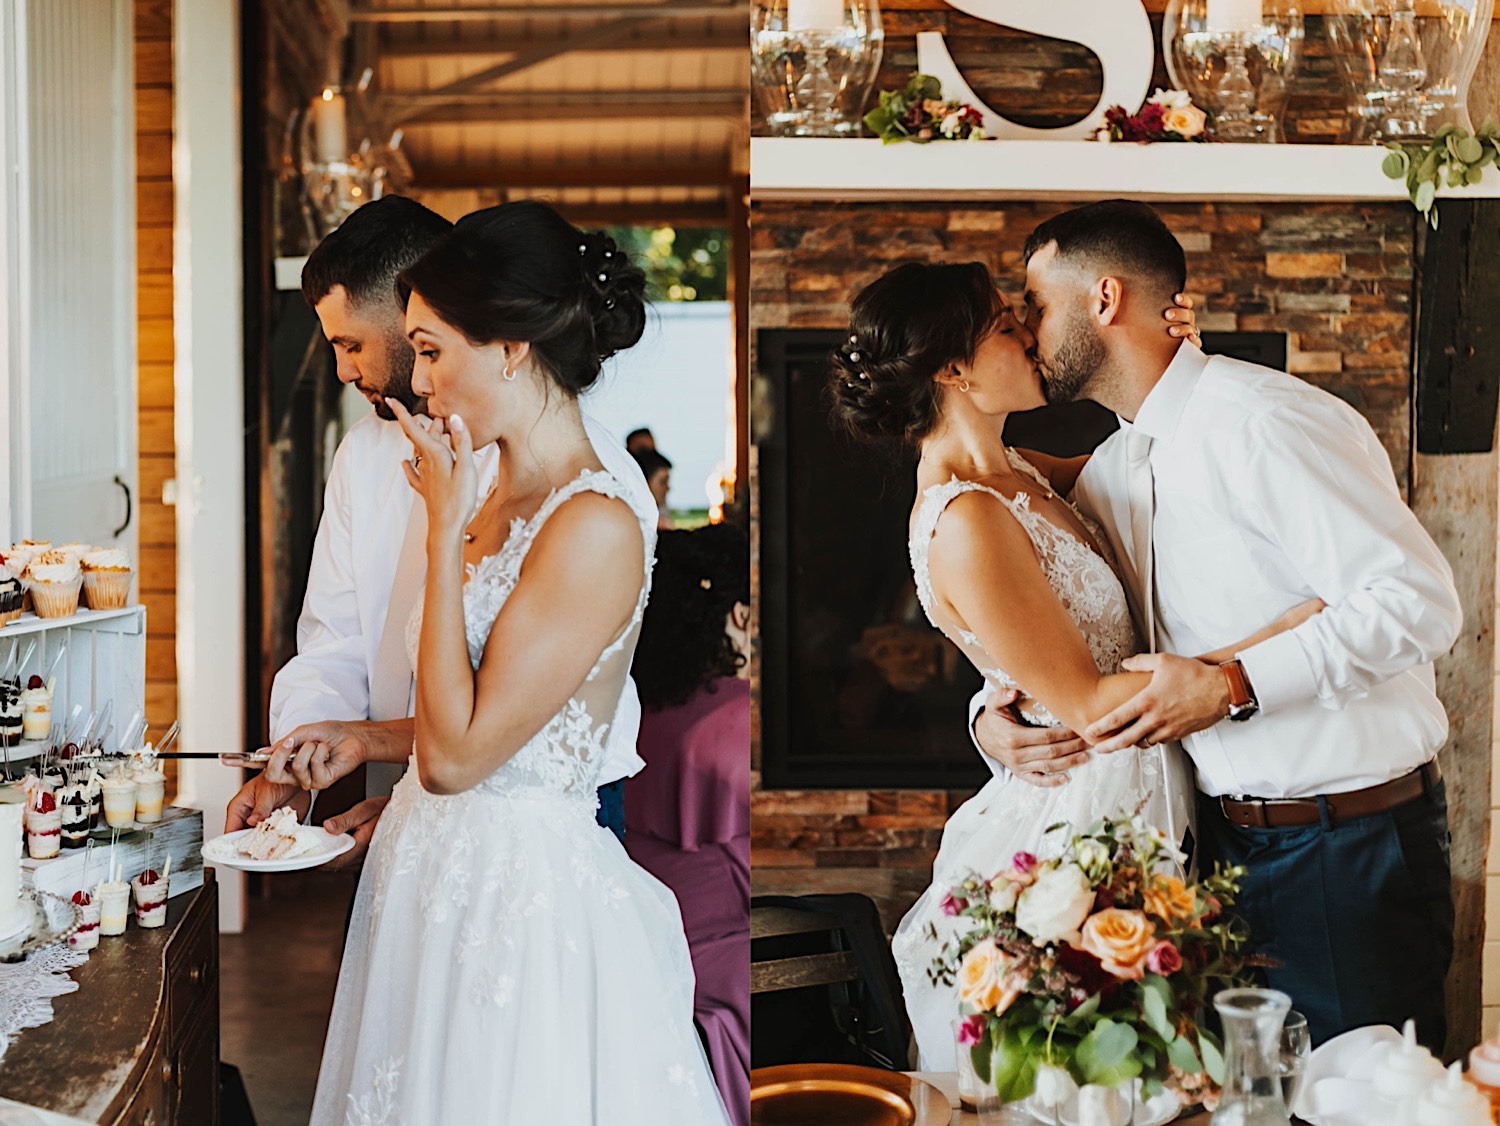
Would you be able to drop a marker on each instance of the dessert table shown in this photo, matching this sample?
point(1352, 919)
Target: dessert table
point(138, 1043)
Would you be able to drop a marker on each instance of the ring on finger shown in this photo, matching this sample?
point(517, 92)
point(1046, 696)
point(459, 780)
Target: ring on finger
point(416, 462)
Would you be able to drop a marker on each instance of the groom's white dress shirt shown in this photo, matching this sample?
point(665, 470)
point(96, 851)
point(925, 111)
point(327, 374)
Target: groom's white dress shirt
point(1269, 492)
point(366, 507)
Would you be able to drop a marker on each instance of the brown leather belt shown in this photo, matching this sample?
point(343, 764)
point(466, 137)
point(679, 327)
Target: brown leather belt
point(1283, 813)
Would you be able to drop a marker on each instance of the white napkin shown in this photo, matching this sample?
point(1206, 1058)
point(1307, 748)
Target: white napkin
point(1338, 1084)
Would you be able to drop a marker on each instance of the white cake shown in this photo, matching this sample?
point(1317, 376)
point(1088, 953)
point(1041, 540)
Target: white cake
point(12, 808)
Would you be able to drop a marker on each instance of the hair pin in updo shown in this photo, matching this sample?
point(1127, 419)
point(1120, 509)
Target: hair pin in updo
point(583, 248)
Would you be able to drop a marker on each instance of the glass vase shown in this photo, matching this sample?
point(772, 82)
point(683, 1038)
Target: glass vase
point(1252, 1020)
point(813, 62)
point(1215, 65)
point(1407, 64)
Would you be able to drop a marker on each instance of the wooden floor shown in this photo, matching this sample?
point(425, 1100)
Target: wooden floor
point(277, 987)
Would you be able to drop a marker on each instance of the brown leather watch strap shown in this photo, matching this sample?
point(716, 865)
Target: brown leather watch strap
point(1239, 684)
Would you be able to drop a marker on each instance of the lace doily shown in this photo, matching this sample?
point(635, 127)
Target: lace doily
point(27, 989)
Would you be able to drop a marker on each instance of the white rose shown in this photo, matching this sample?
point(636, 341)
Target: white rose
point(1055, 906)
point(1173, 99)
point(951, 124)
point(1003, 894)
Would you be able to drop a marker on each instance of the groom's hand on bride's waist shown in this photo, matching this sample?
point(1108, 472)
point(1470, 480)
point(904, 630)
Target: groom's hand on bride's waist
point(1184, 696)
point(1040, 756)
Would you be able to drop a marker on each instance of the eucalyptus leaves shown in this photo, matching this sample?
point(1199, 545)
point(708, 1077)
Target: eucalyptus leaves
point(1453, 158)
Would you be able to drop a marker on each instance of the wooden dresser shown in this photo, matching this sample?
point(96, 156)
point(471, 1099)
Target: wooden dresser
point(138, 1043)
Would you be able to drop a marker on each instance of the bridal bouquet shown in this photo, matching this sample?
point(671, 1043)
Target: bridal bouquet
point(1092, 968)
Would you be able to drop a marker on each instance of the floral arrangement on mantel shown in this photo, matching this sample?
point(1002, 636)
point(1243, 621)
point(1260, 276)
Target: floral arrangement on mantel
point(919, 113)
point(1095, 967)
point(1453, 157)
point(1168, 115)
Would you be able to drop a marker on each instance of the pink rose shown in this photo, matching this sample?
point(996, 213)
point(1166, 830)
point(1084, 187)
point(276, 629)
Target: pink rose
point(952, 905)
point(1023, 862)
point(1164, 959)
point(971, 1030)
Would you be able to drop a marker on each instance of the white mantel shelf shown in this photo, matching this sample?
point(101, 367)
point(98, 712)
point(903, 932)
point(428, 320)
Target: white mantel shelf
point(806, 168)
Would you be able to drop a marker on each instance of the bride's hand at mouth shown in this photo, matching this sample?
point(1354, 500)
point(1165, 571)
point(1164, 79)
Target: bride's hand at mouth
point(441, 469)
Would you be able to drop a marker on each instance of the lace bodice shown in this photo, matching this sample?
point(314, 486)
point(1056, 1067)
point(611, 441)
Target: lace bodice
point(566, 754)
point(1084, 580)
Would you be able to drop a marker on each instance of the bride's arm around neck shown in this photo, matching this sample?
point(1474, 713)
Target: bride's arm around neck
point(987, 579)
point(577, 591)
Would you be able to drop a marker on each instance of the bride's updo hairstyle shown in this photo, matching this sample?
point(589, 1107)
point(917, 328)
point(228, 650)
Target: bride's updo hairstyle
point(905, 328)
point(521, 272)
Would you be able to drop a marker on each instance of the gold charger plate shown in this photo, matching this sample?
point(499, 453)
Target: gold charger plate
point(830, 1094)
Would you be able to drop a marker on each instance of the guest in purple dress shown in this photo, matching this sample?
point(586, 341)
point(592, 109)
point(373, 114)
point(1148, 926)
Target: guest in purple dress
point(687, 817)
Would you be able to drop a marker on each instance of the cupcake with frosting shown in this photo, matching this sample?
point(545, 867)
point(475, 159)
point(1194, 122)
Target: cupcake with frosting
point(55, 581)
point(106, 578)
point(19, 557)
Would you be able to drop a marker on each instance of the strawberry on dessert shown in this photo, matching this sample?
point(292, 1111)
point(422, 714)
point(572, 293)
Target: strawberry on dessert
point(86, 937)
point(43, 821)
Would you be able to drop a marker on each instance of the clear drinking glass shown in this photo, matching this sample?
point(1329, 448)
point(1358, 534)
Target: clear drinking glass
point(1252, 1020)
point(1296, 1044)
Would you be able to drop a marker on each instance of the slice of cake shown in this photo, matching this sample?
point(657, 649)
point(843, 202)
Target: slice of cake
point(278, 837)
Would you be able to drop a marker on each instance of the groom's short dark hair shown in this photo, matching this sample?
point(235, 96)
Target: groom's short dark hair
point(370, 248)
point(1116, 235)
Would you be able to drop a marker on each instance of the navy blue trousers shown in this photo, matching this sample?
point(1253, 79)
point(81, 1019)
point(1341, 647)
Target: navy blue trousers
point(1358, 914)
point(612, 808)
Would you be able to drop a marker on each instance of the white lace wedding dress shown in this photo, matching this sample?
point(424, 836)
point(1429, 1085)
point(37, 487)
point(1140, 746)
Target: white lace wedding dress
point(1007, 816)
point(507, 963)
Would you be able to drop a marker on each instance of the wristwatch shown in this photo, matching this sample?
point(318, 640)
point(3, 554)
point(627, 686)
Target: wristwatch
point(1242, 702)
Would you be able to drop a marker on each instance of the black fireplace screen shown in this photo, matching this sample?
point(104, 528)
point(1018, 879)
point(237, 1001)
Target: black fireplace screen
point(858, 689)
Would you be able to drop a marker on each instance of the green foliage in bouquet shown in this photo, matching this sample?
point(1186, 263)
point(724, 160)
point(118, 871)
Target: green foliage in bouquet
point(1453, 158)
point(917, 112)
point(1097, 967)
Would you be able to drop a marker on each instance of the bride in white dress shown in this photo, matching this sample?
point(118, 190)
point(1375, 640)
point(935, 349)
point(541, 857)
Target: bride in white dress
point(1010, 572)
point(506, 961)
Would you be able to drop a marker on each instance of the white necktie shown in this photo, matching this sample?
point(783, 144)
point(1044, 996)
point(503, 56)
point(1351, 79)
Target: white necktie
point(1141, 490)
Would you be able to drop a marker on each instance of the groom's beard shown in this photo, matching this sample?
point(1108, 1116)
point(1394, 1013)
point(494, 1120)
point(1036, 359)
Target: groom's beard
point(1067, 373)
point(400, 360)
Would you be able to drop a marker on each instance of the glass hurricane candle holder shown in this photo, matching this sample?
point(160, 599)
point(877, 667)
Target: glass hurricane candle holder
point(1407, 64)
point(813, 63)
point(1237, 60)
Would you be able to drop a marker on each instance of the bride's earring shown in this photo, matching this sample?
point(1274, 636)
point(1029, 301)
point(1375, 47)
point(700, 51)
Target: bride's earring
point(510, 374)
point(963, 385)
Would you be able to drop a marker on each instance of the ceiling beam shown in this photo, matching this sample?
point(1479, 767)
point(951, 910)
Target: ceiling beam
point(550, 12)
point(569, 105)
point(653, 214)
point(635, 37)
point(602, 174)
point(525, 60)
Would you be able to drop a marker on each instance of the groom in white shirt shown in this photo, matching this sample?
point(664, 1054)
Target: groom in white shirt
point(1231, 493)
point(345, 699)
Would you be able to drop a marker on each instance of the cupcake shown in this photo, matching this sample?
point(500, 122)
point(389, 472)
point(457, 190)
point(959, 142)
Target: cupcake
point(11, 592)
point(55, 581)
point(106, 578)
point(18, 558)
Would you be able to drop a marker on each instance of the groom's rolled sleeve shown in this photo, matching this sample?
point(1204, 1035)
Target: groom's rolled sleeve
point(1328, 500)
point(976, 705)
point(329, 677)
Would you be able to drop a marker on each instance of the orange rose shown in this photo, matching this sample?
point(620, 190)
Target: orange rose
point(1169, 899)
point(1121, 940)
point(986, 980)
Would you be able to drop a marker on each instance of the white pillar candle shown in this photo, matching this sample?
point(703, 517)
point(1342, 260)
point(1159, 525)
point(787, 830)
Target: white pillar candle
point(814, 15)
point(330, 128)
point(1233, 15)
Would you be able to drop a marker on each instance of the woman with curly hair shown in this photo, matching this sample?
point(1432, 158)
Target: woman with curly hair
point(688, 817)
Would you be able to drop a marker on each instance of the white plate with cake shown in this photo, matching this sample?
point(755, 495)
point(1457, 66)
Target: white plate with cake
point(277, 844)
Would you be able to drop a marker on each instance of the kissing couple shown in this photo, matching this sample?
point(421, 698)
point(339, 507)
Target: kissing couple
point(1234, 570)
